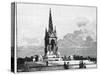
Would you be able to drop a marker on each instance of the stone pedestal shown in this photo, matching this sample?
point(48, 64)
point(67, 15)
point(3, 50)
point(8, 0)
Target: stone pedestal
point(50, 56)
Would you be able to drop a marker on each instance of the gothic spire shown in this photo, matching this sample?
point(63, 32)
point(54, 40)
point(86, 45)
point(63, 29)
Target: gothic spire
point(50, 21)
point(55, 31)
point(45, 32)
point(55, 28)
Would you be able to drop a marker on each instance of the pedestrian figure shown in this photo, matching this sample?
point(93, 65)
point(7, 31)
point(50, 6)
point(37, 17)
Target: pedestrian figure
point(46, 63)
point(66, 66)
point(82, 65)
point(26, 66)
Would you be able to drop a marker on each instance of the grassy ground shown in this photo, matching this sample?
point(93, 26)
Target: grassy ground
point(41, 66)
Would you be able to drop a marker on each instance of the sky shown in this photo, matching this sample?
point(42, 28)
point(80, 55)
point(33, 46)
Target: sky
point(32, 19)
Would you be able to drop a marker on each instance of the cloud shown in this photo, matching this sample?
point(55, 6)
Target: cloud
point(73, 43)
point(82, 21)
point(87, 26)
point(81, 41)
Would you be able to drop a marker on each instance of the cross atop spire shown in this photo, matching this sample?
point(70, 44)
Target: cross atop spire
point(50, 21)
